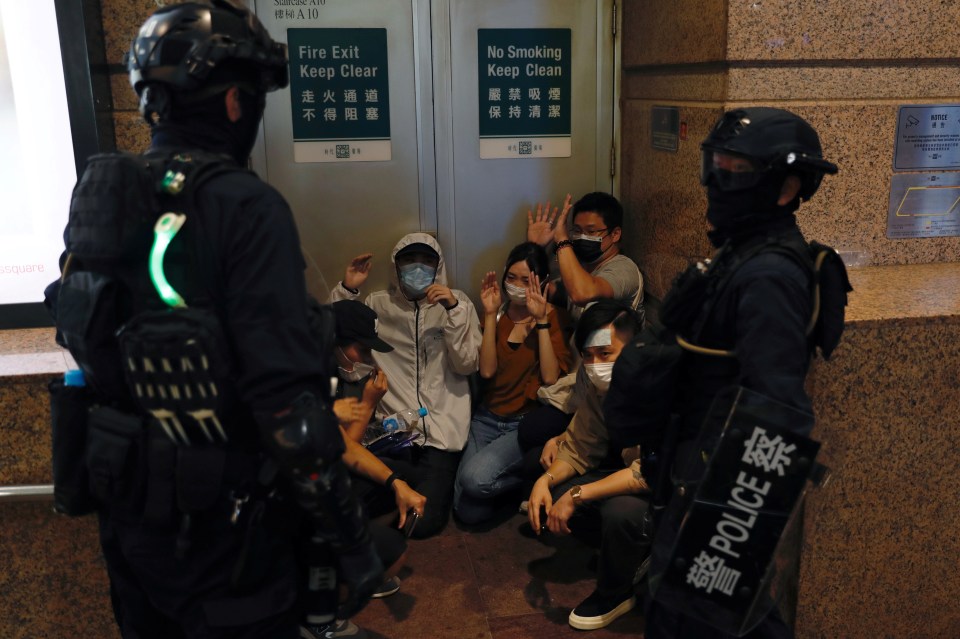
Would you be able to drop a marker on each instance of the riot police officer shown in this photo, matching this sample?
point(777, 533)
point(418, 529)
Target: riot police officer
point(199, 506)
point(749, 310)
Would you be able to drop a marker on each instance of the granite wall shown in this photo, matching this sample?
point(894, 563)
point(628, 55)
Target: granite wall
point(879, 540)
point(52, 576)
point(844, 66)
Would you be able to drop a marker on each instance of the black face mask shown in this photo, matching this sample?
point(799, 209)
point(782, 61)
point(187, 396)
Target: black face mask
point(738, 213)
point(204, 124)
point(587, 251)
point(245, 129)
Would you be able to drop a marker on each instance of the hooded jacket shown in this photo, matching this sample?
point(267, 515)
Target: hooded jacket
point(434, 352)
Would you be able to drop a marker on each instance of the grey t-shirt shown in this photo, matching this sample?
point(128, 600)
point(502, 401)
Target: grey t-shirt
point(624, 278)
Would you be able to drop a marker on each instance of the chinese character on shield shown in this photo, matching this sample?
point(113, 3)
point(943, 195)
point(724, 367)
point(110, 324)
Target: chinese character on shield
point(766, 453)
point(709, 573)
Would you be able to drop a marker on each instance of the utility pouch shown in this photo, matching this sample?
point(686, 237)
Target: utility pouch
point(112, 447)
point(175, 362)
point(69, 411)
point(89, 311)
point(199, 477)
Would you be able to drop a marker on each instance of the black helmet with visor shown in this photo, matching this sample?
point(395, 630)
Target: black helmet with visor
point(186, 47)
point(746, 145)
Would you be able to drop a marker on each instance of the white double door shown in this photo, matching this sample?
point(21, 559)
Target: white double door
point(443, 68)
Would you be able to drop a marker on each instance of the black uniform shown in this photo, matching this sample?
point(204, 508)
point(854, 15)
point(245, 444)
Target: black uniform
point(761, 315)
point(251, 269)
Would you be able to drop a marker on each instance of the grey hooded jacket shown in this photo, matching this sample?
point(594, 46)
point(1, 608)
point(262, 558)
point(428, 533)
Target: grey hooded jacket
point(435, 352)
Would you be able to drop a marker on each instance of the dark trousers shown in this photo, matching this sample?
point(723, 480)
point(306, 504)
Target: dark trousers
point(158, 595)
point(431, 472)
point(619, 527)
point(539, 425)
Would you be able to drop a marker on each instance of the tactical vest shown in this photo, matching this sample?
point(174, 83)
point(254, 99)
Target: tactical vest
point(156, 368)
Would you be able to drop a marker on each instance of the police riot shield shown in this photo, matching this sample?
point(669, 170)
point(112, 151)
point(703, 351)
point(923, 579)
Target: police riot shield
point(743, 485)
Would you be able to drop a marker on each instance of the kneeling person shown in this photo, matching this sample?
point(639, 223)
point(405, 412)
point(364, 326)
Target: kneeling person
point(586, 488)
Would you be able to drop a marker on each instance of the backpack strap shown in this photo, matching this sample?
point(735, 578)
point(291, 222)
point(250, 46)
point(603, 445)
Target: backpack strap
point(179, 175)
point(798, 252)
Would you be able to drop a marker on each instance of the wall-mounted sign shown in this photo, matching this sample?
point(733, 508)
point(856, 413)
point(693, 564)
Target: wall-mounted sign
point(665, 128)
point(524, 93)
point(928, 137)
point(924, 205)
point(339, 95)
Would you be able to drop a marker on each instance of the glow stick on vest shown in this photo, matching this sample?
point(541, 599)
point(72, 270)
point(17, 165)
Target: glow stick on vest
point(163, 233)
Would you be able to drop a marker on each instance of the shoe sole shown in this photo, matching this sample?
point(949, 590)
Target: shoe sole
point(386, 593)
point(593, 623)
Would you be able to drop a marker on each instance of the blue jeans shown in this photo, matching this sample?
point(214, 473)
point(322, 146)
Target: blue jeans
point(490, 466)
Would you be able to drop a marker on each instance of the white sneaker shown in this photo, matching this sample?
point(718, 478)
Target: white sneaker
point(338, 628)
point(387, 588)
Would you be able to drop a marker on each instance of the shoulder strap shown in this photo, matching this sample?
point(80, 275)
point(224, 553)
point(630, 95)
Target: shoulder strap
point(796, 250)
point(179, 175)
point(831, 286)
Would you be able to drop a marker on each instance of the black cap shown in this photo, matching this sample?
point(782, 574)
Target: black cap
point(418, 247)
point(357, 322)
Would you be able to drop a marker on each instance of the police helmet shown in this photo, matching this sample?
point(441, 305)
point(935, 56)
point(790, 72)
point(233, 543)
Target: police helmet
point(180, 48)
point(762, 140)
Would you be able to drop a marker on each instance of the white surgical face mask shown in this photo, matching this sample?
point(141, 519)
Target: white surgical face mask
point(359, 371)
point(416, 278)
point(516, 294)
point(600, 375)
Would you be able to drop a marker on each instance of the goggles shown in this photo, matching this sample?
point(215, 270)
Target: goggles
point(730, 172)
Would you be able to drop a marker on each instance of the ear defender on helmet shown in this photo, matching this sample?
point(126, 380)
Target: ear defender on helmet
point(186, 48)
point(746, 145)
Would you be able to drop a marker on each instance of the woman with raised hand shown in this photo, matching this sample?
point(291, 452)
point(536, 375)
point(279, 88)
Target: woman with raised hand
point(523, 348)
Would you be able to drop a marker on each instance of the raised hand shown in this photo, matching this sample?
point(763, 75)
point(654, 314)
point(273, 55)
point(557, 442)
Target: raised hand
point(490, 293)
point(560, 230)
point(440, 294)
point(536, 302)
point(357, 271)
point(540, 227)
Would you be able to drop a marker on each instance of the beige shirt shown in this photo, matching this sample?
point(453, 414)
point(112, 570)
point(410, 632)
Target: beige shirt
point(584, 444)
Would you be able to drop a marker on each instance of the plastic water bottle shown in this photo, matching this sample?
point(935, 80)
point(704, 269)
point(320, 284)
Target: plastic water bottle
point(74, 377)
point(403, 420)
point(398, 422)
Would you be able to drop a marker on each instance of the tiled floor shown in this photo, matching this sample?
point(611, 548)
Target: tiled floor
point(497, 584)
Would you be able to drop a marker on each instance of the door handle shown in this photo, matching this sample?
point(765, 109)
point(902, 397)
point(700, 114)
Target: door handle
point(41, 492)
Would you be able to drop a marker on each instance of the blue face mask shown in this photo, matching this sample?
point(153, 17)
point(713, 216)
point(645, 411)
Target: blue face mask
point(416, 278)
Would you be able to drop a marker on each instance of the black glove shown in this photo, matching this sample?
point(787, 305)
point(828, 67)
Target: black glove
point(362, 573)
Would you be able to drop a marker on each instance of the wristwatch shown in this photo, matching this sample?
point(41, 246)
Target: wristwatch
point(575, 496)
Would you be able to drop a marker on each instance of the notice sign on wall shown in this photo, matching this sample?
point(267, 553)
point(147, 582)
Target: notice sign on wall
point(339, 95)
point(524, 93)
point(924, 205)
point(928, 138)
